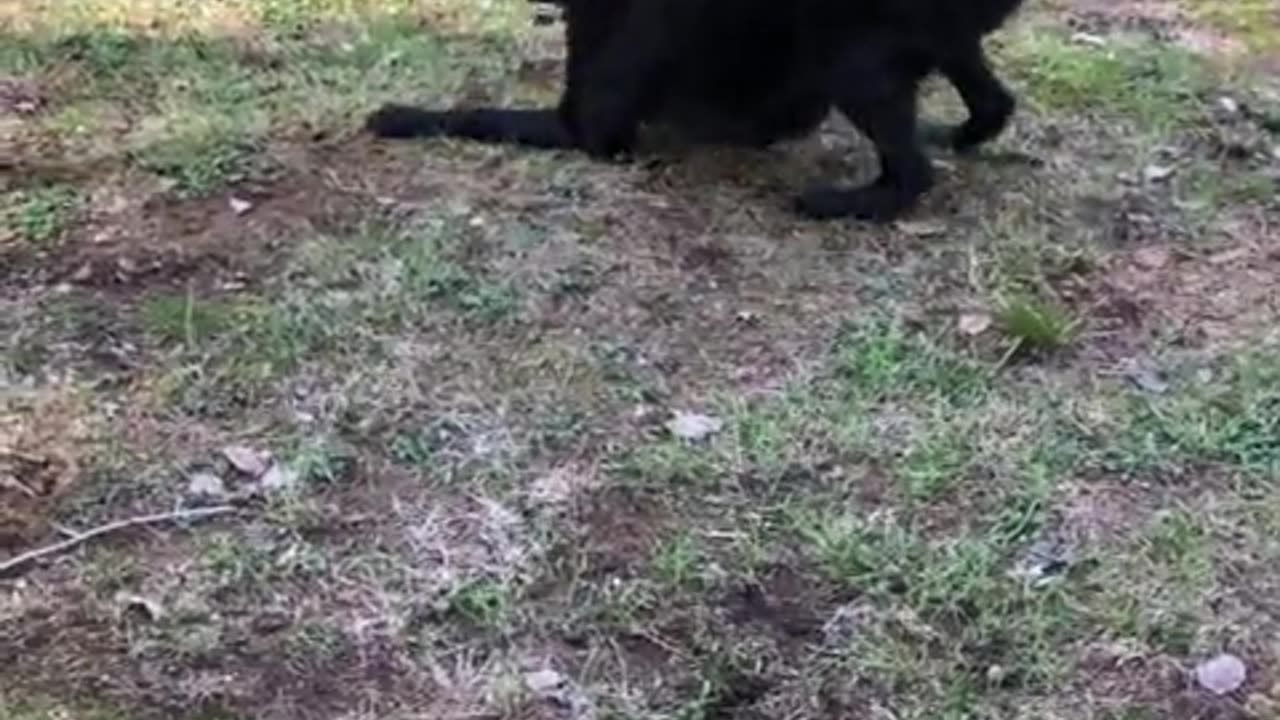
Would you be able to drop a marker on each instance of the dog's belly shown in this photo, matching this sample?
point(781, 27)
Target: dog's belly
point(757, 119)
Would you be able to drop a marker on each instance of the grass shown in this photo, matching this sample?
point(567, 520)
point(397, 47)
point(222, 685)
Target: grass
point(1035, 326)
point(468, 356)
point(1135, 80)
point(39, 216)
point(1252, 20)
point(1232, 422)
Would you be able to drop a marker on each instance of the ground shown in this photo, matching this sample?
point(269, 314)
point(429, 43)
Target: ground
point(1015, 456)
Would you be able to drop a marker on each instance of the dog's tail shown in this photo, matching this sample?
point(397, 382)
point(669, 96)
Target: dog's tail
point(534, 127)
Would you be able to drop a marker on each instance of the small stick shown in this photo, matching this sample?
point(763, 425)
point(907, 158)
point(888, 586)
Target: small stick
point(18, 562)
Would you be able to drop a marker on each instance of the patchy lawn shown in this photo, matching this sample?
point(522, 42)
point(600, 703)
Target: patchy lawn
point(1015, 457)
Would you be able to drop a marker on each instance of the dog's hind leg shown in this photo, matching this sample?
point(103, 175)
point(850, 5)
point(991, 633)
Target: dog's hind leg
point(988, 102)
point(876, 85)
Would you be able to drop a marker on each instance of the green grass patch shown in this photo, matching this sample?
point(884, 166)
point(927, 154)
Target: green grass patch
point(230, 351)
point(1155, 85)
point(202, 107)
point(1036, 326)
point(275, 333)
point(1231, 419)
point(483, 601)
point(878, 359)
point(347, 293)
point(958, 615)
point(677, 563)
point(206, 160)
point(39, 216)
point(936, 462)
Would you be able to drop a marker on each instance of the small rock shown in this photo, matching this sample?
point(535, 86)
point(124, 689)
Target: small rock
point(1152, 258)
point(1222, 674)
point(694, 427)
point(1148, 380)
point(270, 621)
point(278, 477)
point(239, 206)
point(973, 324)
point(1046, 559)
point(1229, 105)
point(207, 486)
point(922, 228)
point(544, 682)
point(84, 273)
point(1157, 173)
point(1084, 38)
point(247, 460)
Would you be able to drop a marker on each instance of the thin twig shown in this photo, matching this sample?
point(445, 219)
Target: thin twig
point(20, 456)
point(18, 562)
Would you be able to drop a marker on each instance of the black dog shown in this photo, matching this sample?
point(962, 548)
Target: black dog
point(754, 72)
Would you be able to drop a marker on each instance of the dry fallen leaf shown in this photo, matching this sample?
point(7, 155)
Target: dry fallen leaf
point(206, 485)
point(1148, 379)
point(1152, 258)
point(247, 460)
point(694, 427)
point(544, 682)
point(278, 477)
point(1222, 674)
point(973, 324)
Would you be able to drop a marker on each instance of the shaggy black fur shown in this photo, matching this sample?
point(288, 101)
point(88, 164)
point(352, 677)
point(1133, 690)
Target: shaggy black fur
point(754, 72)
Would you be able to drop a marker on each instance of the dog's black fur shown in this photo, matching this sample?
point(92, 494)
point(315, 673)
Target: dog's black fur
point(754, 72)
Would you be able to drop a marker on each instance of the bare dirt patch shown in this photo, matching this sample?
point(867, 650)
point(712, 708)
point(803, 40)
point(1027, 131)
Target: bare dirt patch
point(81, 641)
point(1163, 19)
point(784, 602)
point(43, 443)
point(135, 237)
point(20, 97)
point(620, 529)
point(1173, 21)
point(1218, 301)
